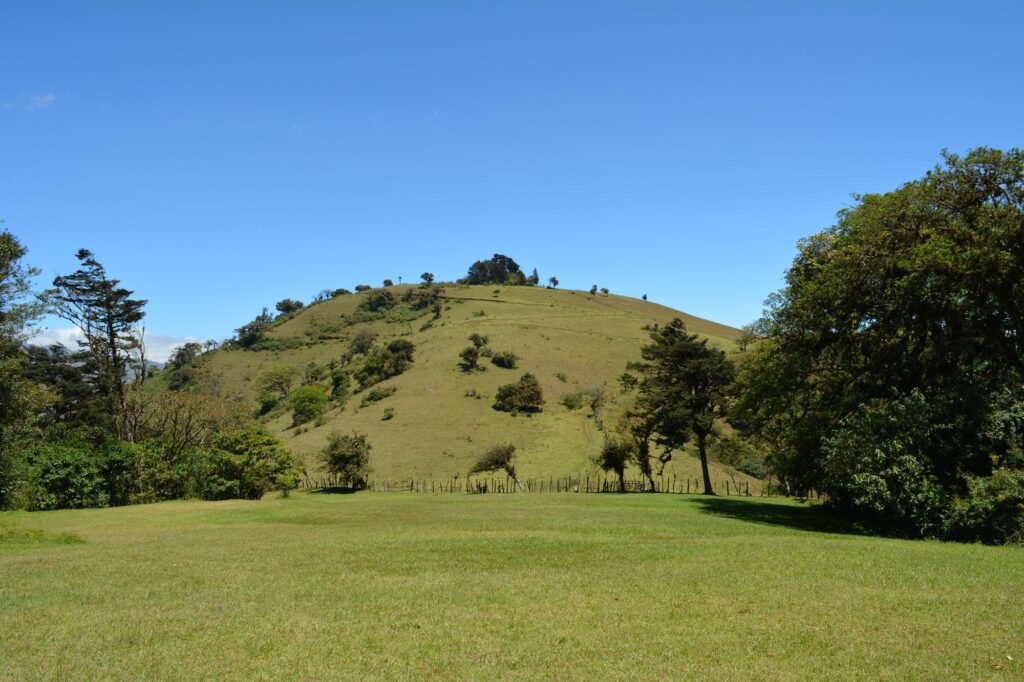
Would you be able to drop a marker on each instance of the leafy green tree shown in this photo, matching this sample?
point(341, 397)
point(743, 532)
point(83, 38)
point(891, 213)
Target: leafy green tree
point(552, 282)
point(522, 396)
point(388, 283)
point(428, 278)
point(915, 296)
point(498, 270)
point(251, 333)
point(287, 306)
point(383, 363)
point(684, 390)
point(604, 290)
point(362, 341)
point(615, 456)
point(258, 461)
point(470, 356)
point(378, 301)
point(498, 458)
point(277, 380)
point(478, 340)
point(109, 320)
point(69, 378)
point(184, 355)
point(505, 358)
point(308, 402)
point(534, 279)
point(348, 458)
point(593, 290)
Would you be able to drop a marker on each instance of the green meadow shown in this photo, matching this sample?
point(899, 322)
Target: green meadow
point(556, 586)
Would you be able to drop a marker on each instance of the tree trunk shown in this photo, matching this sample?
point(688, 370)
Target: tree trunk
point(702, 447)
point(622, 480)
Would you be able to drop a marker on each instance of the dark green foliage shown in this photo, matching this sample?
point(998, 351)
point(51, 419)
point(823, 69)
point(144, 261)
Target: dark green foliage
point(377, 301)
point(534, 279)
point(628, 381)
point(552, 282)
point(70, 377)
point(360, 288)
point(593, 290)
point(991, 511)
point(604, 290)
point(341, 384)
point(108, 317)
point(506, 359)
point(388, 283)
point(522, 396)
point(60, 476)
point(913, 297)
point(498, 270)
point(288, 307)
point(383, 363)
point(615, 456)
point(184, 355)
point(376, 394)
point(257, 461)
point(340, 292)
point(470, 356)
point(478, 340)
point(314, 373)
point(428, 279)
point(348, 458)
point(250, 333)
point(591, 397)
point(308, 402)
point(497, 458)
point(683, 390)
point(389, 414)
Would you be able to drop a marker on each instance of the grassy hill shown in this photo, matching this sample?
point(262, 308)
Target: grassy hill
point(413, 586)
point(569, 340)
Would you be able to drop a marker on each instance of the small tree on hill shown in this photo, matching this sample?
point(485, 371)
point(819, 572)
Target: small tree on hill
point(593, 290)
point(522, 396)
point(308, 402)
point(534, 279)
point(615, 456)
point(428, 278)
point(277, 380)
point(388, 283)
point(470, 358)
point(498, 458)
point(287, 306)
point(348, 458)
point(553, 282)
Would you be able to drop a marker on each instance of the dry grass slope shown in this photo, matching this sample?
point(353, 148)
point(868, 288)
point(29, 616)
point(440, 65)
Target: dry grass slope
point(437, 431)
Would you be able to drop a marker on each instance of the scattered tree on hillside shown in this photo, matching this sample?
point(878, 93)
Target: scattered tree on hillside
point(478, 340)
point(522, 396)
point(287, 306)
point(684, 389)
point(251, 333)
point(348, 458)
point(258, 461)
point(498, 270)
point(604, 290)
point(615, 456)
point(362, 341)
point(308, 402)
point(277, 380)
point(470, 356)
point(498, 458)
point(644, 297)
point(552, 282)
point(108, 318)
point(388, 283)
point(184, 355)
point(593, 290)
point(505, 359)
point(534, 279)
point(428, 279)
point(360, 288)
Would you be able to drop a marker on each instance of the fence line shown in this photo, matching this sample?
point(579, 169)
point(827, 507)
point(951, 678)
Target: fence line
point(565, 484)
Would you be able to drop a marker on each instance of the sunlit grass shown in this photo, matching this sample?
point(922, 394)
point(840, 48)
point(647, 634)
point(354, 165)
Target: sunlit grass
point(491, 586)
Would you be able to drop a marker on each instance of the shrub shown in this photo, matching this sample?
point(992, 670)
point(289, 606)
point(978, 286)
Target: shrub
point(498, 458)
point(308, 402)
point(361, 341)
point(340, 292)
point(522, 396)
point(257, 461)
point(375, 395)
point(388, 283)
point(287, 306)
point(389, 414)
point(277, 381)
point(377, 301)
point(615, 455)
point(381, 364)
point(506, 359)
point(360, 288)
point(573, 401)
point(348, 458)
point(992, 512)
point(470, 356)
point(874, 469)
point(341, 384)
point(63, 477)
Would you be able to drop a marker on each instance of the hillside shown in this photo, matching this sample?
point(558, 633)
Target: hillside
point(569, 340)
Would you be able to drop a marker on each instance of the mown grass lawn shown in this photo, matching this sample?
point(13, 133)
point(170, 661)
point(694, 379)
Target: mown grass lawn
point(552, 586)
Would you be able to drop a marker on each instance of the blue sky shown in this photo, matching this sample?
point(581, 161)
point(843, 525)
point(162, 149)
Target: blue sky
point(218, 157)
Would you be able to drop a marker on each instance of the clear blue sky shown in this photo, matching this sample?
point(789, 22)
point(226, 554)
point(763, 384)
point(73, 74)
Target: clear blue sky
point(218, 157)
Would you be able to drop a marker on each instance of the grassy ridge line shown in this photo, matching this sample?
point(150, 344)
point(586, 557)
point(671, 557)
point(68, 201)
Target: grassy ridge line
point(437, 431)
point(499, 587)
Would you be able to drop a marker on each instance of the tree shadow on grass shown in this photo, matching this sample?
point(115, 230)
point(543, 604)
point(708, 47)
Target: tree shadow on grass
point(335, 490)
point(752, 510)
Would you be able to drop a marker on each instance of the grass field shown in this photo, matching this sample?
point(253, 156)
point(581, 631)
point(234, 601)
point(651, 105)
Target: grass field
point(568, 339)
point(373, 585)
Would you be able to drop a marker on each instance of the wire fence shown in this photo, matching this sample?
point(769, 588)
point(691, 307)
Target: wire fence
point(479, 485)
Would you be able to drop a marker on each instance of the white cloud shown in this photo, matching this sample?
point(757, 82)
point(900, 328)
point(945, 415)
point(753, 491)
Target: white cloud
point(41, 101)
point(158, 346)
